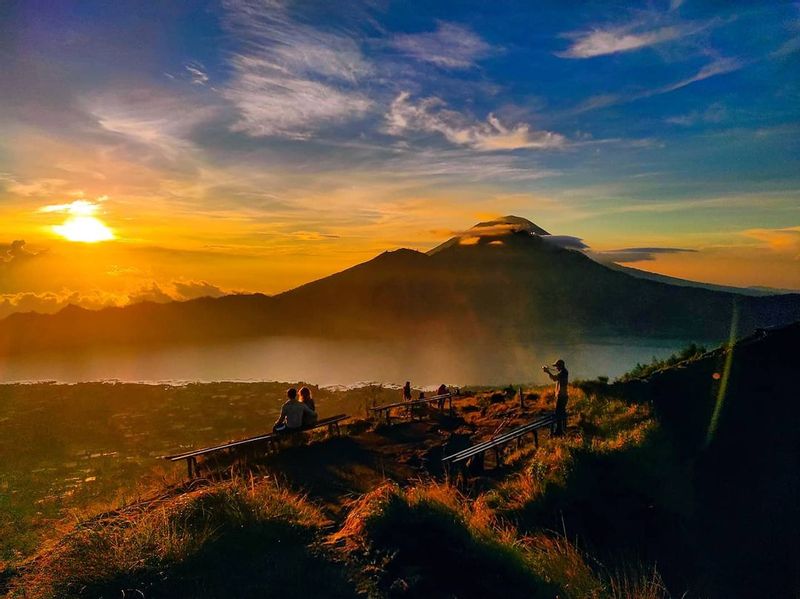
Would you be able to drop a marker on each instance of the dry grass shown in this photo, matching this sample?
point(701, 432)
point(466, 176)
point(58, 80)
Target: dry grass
point(196, 540)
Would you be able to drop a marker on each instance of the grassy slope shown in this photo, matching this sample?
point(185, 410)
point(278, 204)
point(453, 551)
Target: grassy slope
point(588, 515)
point(420, 539)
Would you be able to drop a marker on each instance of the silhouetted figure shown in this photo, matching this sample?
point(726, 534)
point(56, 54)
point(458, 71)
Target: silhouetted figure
point(561, 378)
point(422, 395)
point(307, 400)
point(442, 390)
point(292, 414)
point(407, 391)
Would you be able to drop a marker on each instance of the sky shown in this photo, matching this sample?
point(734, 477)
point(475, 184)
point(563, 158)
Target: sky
point(170, 150)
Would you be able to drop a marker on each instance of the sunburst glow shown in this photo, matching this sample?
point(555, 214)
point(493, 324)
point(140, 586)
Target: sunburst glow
point(86, 229)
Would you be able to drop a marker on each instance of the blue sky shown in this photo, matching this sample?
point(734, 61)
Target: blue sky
point(315, 134)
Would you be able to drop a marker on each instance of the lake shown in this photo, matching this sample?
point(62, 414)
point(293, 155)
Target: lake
point(340, 363)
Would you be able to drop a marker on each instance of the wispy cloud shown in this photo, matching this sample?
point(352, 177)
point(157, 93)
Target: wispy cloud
point(719, 66)
point(76, 208)
point(715, 113)
point(644, 254)
point(599, 42)
point(784, 240)
point(430, 115)
point(197, 73)
point(450, 46)
point(290, 79)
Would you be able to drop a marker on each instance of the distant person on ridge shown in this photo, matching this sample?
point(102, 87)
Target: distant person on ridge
point(292, 414)
point(561, 377)
point(307, 400)
point(442, 390)
point(407, 391)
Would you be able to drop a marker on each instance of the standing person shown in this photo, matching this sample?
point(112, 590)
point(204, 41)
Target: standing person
point(442, 390)
point(561, 378)
point(307, 400)
point(407, 391)
point(292, 414)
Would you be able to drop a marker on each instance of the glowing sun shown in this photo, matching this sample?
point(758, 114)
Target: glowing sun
point(80, 225)
point(86, 229)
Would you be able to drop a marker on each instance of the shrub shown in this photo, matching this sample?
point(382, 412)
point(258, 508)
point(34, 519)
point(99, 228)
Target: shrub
point(641, 371)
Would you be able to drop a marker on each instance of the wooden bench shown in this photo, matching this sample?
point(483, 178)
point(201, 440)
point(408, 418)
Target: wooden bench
point(499, 440)
point(410, 405)
point(270, 439)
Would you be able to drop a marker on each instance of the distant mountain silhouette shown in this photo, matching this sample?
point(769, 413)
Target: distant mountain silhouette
point(502, 279)
point(652, 276)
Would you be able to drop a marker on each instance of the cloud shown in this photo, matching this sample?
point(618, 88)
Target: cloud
point(50, 302)
point(291, 79)
point(715, 113)
point(566, 241)
point(600, 42)
point(451, 46)
point(643, 254)
point(75, 208)
point(193, 289)
point(459, 165)
point(719, 66)
point(197, 73)
point(14, 251)
point(430, 115)
point(785, 240)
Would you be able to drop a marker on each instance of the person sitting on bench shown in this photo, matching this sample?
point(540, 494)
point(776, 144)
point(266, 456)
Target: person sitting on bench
point(292, 414)
point(307, 400)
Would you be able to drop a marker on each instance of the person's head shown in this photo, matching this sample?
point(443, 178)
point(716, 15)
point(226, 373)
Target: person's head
point(408, 384)
point(291, 393)
point(305, 393)
point(559, 364)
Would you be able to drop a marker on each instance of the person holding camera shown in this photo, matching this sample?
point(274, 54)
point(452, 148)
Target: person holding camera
point(561, 378)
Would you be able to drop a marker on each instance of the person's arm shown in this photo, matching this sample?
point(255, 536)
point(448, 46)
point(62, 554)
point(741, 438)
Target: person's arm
point(553, 377)
point(282, 417)
point(308, 410)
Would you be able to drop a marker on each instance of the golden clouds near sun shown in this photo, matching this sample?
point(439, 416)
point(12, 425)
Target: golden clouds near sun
point(86, 229)
point(81, 224)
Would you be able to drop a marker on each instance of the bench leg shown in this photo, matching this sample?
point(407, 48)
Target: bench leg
point(191, 467)
point(536, 438)
point(451, 406)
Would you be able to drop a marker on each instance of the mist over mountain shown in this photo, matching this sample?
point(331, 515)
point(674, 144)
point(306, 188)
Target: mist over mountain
point(507, 280)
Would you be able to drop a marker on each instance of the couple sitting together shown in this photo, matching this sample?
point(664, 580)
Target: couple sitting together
point(296, 414)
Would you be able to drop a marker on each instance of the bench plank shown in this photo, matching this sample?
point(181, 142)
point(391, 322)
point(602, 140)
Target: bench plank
point(413, 402)
point(198, 452)
point(499, 440)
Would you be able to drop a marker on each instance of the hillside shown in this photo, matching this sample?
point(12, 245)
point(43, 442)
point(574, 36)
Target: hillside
point(679, 485)
point(502, 280)
point(733, 415)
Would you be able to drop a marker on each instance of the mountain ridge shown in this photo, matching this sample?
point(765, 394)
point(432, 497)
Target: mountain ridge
point(500, 280)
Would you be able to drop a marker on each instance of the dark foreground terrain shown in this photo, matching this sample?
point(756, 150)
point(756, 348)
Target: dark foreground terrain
point(683, 484)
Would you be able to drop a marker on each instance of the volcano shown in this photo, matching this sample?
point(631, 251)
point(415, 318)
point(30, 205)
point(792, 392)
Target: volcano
point(506, 279)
